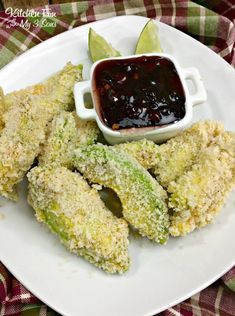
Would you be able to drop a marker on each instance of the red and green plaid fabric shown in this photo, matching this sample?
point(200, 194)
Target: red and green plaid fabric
point(212, 23)
point(215, 30)
point(217, 299)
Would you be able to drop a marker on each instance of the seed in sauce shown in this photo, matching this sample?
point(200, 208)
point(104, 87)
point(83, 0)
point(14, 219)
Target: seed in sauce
point(138, 92)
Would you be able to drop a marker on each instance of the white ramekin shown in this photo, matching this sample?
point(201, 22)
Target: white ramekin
point(156, 134)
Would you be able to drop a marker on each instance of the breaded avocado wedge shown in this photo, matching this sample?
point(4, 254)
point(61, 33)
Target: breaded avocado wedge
point(65, 202)
point(143, 199)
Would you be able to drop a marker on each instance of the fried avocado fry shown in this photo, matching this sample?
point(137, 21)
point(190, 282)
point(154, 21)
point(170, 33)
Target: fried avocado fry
point(179, 153)
point(64, 201)
point(142, 198)
point(144, 151)
point(66, 133)
point(46, 88)
point(198, 195)
point(53, 87)
point(25, 125)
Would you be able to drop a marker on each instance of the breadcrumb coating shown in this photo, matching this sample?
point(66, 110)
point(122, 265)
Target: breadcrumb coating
point(53, 86)
point(64, 201)
point(25, 125)
point(142, 198)
point(144, 151)
point(2, 108)
point(66, 132)
point(198, 195)
point(87, 131)
point(179, 153)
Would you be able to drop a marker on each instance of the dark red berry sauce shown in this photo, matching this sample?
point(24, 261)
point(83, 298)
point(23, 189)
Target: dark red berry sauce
point(138, 92)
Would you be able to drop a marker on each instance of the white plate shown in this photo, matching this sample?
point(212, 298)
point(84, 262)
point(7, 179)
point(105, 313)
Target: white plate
point(160, 276)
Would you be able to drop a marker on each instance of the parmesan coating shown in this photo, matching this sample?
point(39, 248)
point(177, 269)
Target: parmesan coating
point(179, 153)
point(53, 87)
point(66, 133)
point(2, 108)
point(25, 125)
point(64, 201)
point(198, 195)
point(142, 198)
point(144, 151)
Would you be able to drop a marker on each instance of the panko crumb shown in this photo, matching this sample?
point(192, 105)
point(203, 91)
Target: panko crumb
point(2, 108)
point(98, 187)
point(2, 216)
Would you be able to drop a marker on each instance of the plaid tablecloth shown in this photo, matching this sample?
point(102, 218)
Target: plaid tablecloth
point(211, 22)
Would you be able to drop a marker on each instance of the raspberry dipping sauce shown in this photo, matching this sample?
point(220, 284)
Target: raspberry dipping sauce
point(138, 92)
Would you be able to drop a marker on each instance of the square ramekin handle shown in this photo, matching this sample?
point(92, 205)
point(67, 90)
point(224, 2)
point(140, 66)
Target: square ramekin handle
point(200, 95)
point(80, 89)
